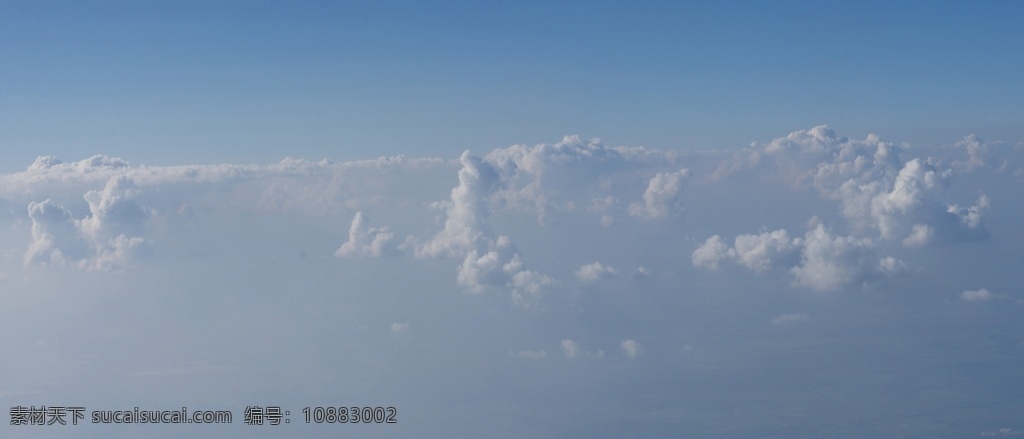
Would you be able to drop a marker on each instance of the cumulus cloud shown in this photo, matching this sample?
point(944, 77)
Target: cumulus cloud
point(501, 266)
point(570, 348)
point(980, 295)
point(594, 272)
point(884, 197)
point(828, 262)
point(55, 235)
point(488, 261)
point(878, 190)
point(915, 201)
point(106, 239)
point(710, 253)
point(466, 210)
point(631, 348)
point(755, 252)
point(823, 261)
point(364, 241)
point(663, 197)
point(977, 151)
point(114, 211)
point(759, 252)
point(536, 178)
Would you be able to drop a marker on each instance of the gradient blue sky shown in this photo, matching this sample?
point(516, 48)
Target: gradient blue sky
point(173, 82)
point(803, 220)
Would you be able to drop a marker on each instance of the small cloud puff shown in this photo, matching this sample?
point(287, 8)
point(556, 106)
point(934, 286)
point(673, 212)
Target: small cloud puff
point(640, 273)
point(631, 348)
point(594, 272)
point(366, 242)
point(397, 328)
point(571, 349)
point(980, 295)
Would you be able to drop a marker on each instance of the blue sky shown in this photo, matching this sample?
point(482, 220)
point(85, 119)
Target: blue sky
point(172, 82)
point(550, 219)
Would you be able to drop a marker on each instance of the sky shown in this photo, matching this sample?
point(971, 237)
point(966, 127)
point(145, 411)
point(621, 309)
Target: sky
point(518, 219)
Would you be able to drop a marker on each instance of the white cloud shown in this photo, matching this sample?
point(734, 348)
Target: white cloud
point(980, 295)
point(876, 188)
point(710, 253)
point(366, 242)
point(631, 348)
point(759, 252)
point(487, 261)
point(535, 178)
point(397, 328)
point(594, 272)
point(828, 262)
point(977, 151)
point(570, 348)
point(789, 319)
point(920, 235)
point(106, 239)
point(55, 235)
point(466, 210)
point(663, 197)
point(890, 266)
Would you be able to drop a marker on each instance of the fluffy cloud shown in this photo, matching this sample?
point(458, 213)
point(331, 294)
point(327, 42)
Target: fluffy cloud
point(631, 348)
point(594, 272)
point(759, 252)
point(710, 253)
point(55, 235)
point(915, 200)
point(663, 197)
point(546, 179)
point(977, 151)
point(570, 348)
point(488, 261)
point(366, 242)
point(884, 198)
point(106, 239)
point(977, 295)
point(826, 261)
point(878, 191)
point(755, 252)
